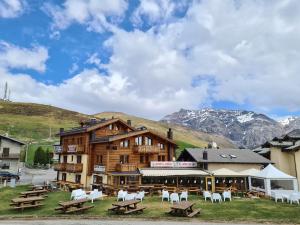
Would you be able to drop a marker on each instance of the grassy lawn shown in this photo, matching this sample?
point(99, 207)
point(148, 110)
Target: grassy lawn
point(242, 210)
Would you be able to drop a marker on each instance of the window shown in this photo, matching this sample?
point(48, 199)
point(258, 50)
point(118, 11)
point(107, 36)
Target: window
point(63, 176)
point(79, 159)
point(282, 185)
point(223, 156)
point(116, 127)
point(161, 146)
point(72, 158)
point(124, 159)
point(258, 183)
point(146, 158)
point(148, 141)
point(110, 127)
point(141, 159)
point(232, 156)
point(5, 152)
point(161, 158)
point(99, 159)
point(124, 144)
point(77, 179)
point(139, 140)
point(65, 159)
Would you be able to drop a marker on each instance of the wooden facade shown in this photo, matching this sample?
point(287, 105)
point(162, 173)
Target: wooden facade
point(110, 152)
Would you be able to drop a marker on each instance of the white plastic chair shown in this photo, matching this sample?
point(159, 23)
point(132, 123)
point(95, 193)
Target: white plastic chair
point(226, 195)
point(140, 195)
point(80, 194)
point(295, 197)
point(121, 195)
point(95, 194)
point(216, 197)
point(76, 193)
point(276, 196)
point(207, 194)
point(130, 196)
point(174, 197)
point(184, 195)
point(165, 195)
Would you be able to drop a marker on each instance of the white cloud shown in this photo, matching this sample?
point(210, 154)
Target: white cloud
point(12, 8)
point(12, 56)
point(97, 15)
point(246, 52)
point(94, 59)
point(153, 11)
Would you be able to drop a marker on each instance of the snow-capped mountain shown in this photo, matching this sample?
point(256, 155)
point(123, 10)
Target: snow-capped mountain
point(244, 128)
point(290, 123)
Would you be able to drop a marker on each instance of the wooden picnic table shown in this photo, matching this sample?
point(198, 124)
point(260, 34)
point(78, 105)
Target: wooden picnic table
point(27, 194)
point(39, 187)
point(127, 207)
point(184, 209)
point(73, 206)
point(23, 203)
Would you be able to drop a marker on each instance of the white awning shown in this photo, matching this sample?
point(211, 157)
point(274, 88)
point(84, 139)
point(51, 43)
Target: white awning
point(223, 172)
point(271, 172)
point(250, 172)
point(172, 172)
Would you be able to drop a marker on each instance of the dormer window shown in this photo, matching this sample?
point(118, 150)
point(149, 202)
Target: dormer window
point(233, 156)
point(223, 156)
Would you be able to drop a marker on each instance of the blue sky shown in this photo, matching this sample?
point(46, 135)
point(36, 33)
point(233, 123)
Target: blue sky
point(151, 58)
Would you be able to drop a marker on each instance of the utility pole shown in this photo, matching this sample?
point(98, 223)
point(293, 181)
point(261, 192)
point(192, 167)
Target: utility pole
point(5, 92)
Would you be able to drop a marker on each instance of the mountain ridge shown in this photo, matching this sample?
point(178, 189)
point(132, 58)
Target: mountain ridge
point(247, 129)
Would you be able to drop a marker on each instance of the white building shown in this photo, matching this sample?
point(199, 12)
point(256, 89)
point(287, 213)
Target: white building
point(10, 153)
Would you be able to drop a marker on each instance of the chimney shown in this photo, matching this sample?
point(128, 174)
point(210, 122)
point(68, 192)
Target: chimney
point(61, 130)
point(170, 133)
point(129, 122)
point(112, 117)
point(205, 156)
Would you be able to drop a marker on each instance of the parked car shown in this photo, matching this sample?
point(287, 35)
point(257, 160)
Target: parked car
point(5, 175)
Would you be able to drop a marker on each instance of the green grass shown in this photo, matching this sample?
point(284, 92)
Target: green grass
point(182, 145)
point(239, 210)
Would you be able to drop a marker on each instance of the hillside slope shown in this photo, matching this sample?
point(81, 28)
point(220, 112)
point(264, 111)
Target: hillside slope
point(28, 121)
point(181, 133)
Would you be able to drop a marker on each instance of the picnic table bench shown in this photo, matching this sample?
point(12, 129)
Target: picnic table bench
point(73, 206)
point(27, 194)
point(39, 187)
point(184, 209)
point(126, 207)
point(23, 203)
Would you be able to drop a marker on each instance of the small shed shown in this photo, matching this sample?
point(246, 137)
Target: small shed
point(271, 179)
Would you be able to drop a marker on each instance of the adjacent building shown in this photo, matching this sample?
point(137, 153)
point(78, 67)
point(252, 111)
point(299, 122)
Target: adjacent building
point(10, 150)
point(109, 151)
point(284, 152)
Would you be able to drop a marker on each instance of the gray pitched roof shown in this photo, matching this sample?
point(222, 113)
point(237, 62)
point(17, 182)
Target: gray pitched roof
point(11, 139)
point(294, 134)
point(227, 156)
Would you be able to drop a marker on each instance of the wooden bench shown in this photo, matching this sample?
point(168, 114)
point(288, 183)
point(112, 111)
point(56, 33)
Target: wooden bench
point(28, 206)
point(81, 209)
point(138, 209)
point(195, 212)
point(113, 208)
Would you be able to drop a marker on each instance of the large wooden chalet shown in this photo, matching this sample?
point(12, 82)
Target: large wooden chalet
point(109, 152)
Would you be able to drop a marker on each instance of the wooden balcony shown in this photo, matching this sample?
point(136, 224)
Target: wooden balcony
point(10, 156)
point(59, 167)
point(74, 168)
point(73, 149)
point(126, 167)
point(146, 149)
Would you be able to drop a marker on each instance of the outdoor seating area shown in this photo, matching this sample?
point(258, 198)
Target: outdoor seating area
point(184, 209)
point(286, 196)
point(127, 207)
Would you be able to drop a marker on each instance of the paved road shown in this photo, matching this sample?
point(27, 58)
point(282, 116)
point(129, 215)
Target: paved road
point(107, 222)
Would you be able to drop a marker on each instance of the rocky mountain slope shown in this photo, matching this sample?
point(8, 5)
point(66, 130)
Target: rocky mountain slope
point(245, 128)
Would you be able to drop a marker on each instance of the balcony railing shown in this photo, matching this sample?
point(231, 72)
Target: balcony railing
point(126, 167)
point(60, 167)
point(99, 169)
point(74, 168)
point(69, 167)
point(146, 149)
point(10, 156)
point(70, 149)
